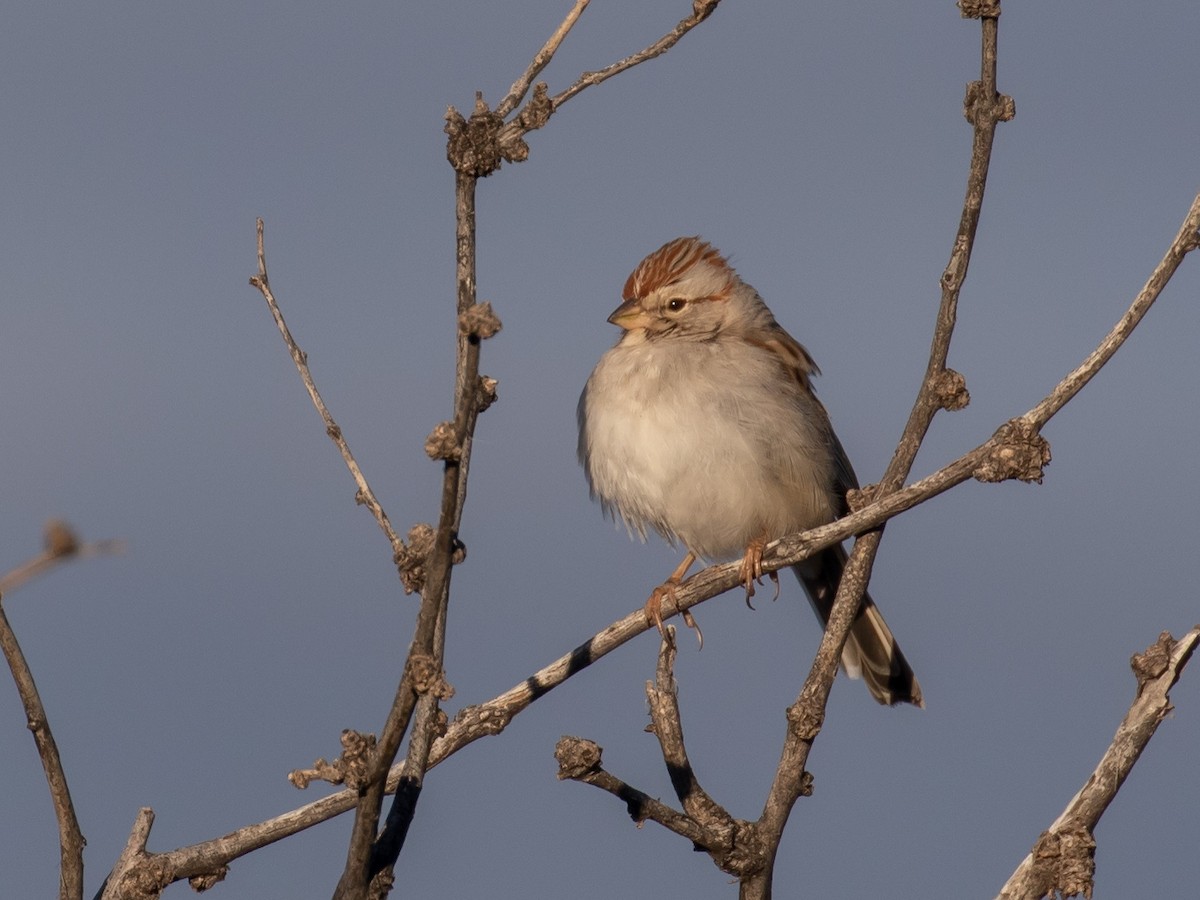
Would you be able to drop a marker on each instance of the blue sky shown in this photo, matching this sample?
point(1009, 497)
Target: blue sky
point(146, 396)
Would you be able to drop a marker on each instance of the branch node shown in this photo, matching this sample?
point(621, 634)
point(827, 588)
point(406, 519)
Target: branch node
point(352, 768)
point(59, 539)
point(1153, 662)
point(861, 497)
point(806, 784)
point(381, 884)
point(576, 757)
point(485, 394)
point(979, 9)
point(443, 443)
point(746, 853)
point(982, 109)
point(201, 883)
point(702, 9)
point(804, 721)
point(1017, 451)
point(147, 877)
point(1064, 861)
point(475, 147)
point(458, 551)
point(412, 557)
point(537, 111)
point(950, 390)
point(479, 321)
point(483, 719)
point(428, 677)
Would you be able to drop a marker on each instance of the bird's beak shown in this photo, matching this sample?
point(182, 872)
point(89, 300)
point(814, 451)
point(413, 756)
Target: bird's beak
point(629, 315)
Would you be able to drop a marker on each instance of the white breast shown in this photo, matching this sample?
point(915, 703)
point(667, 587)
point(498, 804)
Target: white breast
point(706, 443)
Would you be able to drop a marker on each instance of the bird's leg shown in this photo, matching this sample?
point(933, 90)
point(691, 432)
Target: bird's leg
point(751, 571)
point(665, 591)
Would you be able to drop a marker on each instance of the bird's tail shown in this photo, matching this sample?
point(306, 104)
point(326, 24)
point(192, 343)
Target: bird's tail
point(871, 652)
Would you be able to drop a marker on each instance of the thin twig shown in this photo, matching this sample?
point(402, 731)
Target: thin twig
point(701, 10)
point(365, 495)
point(1186, 240)
point(1061, 861)
point(580, 760)
point(60, 545)
point(512, 131)
point(540, 60)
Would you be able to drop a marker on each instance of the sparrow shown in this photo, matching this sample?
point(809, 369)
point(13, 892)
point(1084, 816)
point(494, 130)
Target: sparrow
point(701, 424)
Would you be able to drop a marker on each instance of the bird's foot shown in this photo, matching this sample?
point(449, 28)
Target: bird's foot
point(666, 591)
point(751, 572)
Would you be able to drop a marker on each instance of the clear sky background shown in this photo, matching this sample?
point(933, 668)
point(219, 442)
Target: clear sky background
point(145, 394)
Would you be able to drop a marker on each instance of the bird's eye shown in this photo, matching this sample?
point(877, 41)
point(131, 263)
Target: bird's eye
point(675, 304)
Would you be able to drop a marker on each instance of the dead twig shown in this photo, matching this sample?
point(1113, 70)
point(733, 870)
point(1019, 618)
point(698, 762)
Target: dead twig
point(364, 495)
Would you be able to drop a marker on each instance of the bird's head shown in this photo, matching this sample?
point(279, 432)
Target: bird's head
point(685, 288)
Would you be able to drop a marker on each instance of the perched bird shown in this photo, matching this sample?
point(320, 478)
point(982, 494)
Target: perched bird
point(702, 424)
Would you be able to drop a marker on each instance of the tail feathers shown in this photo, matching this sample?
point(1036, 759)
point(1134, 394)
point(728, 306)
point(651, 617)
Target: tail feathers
point(871, 651)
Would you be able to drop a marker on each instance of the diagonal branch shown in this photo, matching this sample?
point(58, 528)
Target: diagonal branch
point(61, 544)
point(1062, 859)
point(984, 108)
point(580, 760)
point(1186, 240)
point(365, 495)
point(701, 10)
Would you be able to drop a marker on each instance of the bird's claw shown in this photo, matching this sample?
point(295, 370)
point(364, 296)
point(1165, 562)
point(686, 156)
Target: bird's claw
point(654, 611)
point(751, 572)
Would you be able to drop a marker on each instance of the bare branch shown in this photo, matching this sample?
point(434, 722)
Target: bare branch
point(984, 108)
point(1062, 859)
point(1015, 451)
point(508, 141)
point(70, 837)
point(667, 726)
point(701, 10)
point(474, 148)
point(60, 544)
point(369, 852)
point(540, 60)
point(734, 845)
point(365, 495)
point(492, 717)
point(580, 760)
point(1186, 240)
